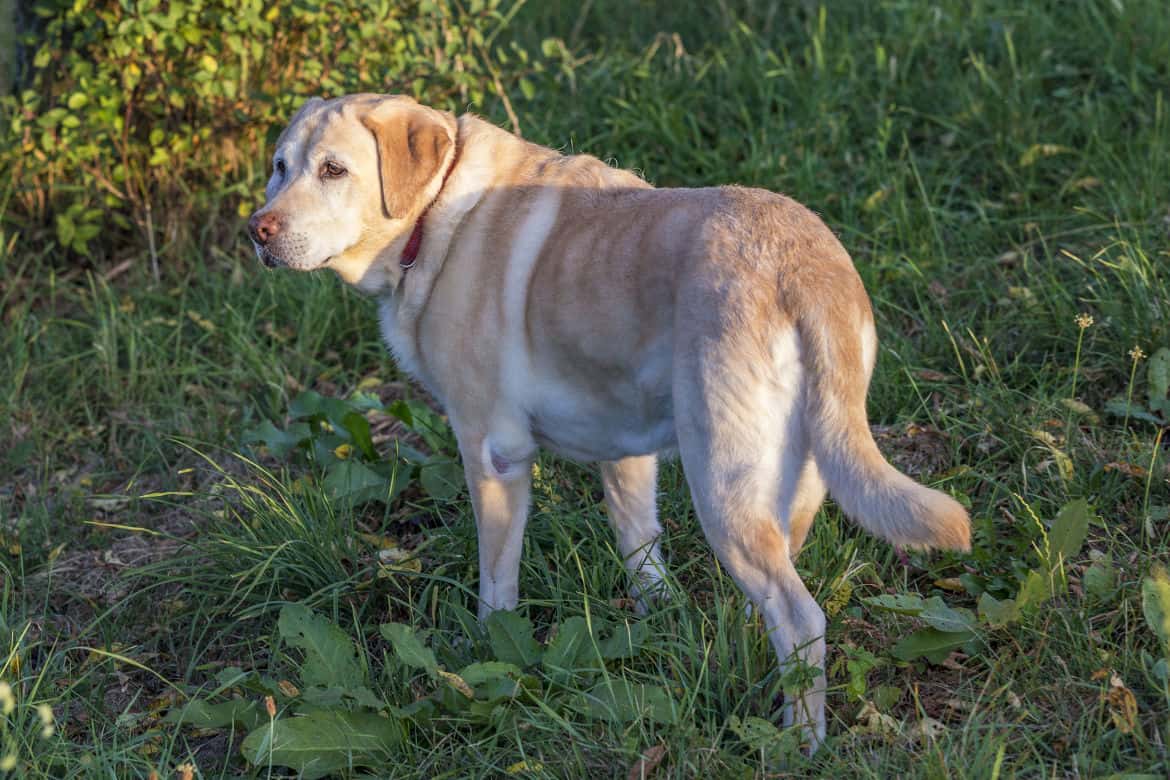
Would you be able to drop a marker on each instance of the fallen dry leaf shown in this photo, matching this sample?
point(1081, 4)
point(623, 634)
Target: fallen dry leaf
point(871, 721)
point(458, 683)
point(648, 762)
point(927, 730)
point(1129, 469)
point(1123, 707)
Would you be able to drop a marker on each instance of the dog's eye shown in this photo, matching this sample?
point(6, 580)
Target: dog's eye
point(331, 170)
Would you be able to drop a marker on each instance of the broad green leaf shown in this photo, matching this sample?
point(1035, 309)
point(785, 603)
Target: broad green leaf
point(762, 736)
point(423, 421)
point(499, 689)
point(1038, 588)
point(419, 712)
point(493, 681)
point(1121, 408)
point(511, 637)
point(205, 715)
point(308, 403)
point(330, 656)
point(278, 442)
point(477, 674)
point(1100, 579)
point(619, 701)
point(998, 614)
point(401, 409)
point(1068, 532)
point(755, 732)
point(901, 603)
point(625, 642)
point(571, 648)
point(886, 696)
point(938, 615)
point(353, 482)
point(1158, 377)
point(324, 742)
point(930, 643)
point(359, 428)
point(1156, 605)
point(334, 695)
point(441, 477)
point(409, 649)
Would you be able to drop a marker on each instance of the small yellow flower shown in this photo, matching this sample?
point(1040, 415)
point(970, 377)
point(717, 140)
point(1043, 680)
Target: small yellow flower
point(186, 771)
point(270, 706)
point(525, 766)
point(46, 715)
point(1084, 320)
point(8, 763)
point(1136, 354)
point(7, 700)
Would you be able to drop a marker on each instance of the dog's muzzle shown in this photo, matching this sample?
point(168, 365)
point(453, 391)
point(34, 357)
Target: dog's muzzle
point(270, 260)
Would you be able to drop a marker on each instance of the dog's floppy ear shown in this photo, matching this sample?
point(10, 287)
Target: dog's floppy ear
point(413, 143)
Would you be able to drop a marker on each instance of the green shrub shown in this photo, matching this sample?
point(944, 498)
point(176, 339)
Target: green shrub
point(133, 117)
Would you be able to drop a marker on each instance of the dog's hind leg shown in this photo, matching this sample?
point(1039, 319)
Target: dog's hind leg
point(630, 490)
point(799, 506)
point(739, 433)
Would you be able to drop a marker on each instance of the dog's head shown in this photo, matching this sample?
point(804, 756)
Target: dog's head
point(349, 177)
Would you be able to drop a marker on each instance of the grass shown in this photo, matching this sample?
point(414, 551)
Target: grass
point(996, 169)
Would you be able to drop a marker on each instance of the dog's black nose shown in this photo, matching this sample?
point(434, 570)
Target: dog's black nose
point(264, 227)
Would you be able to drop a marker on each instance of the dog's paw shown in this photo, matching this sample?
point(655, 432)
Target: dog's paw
point(807, 711)
point(648, 595)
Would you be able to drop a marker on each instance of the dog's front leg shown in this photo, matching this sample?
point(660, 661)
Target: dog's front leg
point(499, 494)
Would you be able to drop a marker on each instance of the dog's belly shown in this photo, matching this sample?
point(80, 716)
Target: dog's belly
point(614, 425)
point(600, 434)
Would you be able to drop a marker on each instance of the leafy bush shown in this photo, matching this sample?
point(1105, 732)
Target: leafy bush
point(335, 434)
point(130, 106)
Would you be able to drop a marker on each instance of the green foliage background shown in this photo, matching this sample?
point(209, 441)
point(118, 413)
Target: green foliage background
point(135, 108)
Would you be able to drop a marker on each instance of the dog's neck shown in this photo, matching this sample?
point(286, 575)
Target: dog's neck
point(425, 247)
point(414, 243)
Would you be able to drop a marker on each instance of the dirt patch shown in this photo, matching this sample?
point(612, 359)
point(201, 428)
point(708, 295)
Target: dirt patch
point(99, 576)
point(915, 450)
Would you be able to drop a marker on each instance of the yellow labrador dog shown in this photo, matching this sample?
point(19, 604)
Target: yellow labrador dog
point(552, 301)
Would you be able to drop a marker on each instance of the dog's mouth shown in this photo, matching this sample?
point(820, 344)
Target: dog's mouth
point(270, 260)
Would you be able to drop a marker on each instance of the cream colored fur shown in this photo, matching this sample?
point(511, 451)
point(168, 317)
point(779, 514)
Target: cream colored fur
point(560, 303)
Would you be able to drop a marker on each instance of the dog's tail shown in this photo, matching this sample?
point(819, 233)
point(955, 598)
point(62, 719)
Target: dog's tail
point(871, 492)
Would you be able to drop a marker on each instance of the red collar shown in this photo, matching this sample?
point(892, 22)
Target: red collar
point(414, 243)
point(410, 251)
